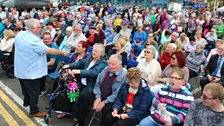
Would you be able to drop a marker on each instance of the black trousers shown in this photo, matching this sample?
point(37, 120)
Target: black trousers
point(203, 82)
point(81, 108)
point(43, 79)
point(109, 120)
point(85, 101)
point(192, 73)
point(31, 90)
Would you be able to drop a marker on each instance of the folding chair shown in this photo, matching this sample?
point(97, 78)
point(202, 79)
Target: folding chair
point(93, 117)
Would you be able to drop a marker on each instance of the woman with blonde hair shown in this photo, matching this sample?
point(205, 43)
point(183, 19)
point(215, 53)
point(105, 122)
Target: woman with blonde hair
point(101, 34)
point(127, 47)
point(119, 49)
point(7, 42)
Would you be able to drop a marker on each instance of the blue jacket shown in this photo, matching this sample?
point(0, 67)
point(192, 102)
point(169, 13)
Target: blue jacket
point(115, 87)
point(140, 37)
point(141, 104)
point(92, 73)
point(2, 29)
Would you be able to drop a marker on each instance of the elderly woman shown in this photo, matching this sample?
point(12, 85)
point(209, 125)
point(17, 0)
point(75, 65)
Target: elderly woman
point(89, 68)
point(7, 42)
point(132, 102)
point(148, 43)
point(195, 60)
point(149, 66)
point(101, 34)
point(170, 108)
point(120, 43)
point(178, 59)
point(67, 38)
point(183, 39)
point(139, 39)
point(127, 47)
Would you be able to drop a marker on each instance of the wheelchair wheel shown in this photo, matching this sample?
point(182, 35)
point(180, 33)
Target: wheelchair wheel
point(10, 72)
point(47, 119)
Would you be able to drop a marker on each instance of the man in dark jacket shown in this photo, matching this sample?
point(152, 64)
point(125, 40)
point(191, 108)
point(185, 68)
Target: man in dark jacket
point(214, 71)
point(133, 101)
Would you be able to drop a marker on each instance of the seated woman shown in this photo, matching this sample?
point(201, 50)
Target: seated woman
point(148, 42)
point(120, 43)
point(178, 59)
point(132, 102)
point(67, 39)
point(92, 36)
point(171, 103)
point(7, 42)
point(195, 60)
point(101, 34)
point(80, 52)
point(127, 46)
point(88, 69)
point(149, 66)
point(58, 38)
point(166, 36)
point(111, 39)
point(139, 39)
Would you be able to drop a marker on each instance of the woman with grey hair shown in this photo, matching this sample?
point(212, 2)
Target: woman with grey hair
point(68, 37)
point(149, 66)
point(195, 59)
point(89, 68)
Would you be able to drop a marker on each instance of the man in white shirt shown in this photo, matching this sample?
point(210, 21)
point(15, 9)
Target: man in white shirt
point(77, 36)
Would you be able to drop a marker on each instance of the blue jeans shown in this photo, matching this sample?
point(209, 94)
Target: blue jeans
point(147, 121)
point(139, 48)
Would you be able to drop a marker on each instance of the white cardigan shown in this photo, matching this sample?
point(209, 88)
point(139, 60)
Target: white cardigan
point(7, 45)
point(150, 70)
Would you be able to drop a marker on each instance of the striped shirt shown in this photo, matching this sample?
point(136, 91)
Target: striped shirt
point(177, 104)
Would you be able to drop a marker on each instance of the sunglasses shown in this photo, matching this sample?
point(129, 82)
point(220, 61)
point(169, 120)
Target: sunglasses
point(147, 52)
point(206, 97)
point(173, 58)
point(57, 29)
point(175, 78)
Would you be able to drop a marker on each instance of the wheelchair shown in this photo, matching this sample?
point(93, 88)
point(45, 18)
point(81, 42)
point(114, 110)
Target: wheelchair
point(8, 63)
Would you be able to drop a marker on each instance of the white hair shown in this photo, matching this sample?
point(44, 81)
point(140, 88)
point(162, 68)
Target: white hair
point(32, 23)
point(101, 48)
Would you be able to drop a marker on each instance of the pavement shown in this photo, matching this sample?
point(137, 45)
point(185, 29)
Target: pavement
point(12, 112)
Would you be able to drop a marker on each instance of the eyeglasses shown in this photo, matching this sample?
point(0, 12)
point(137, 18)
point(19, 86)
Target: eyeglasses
point(206, 97)
point(147, 52)
point(175, 78)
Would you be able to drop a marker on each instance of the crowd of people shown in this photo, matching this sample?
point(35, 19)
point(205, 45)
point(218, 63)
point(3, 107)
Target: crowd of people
point(132, 63)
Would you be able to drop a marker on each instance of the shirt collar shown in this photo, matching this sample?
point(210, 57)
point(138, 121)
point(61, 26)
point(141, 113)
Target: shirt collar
point(116, 73)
